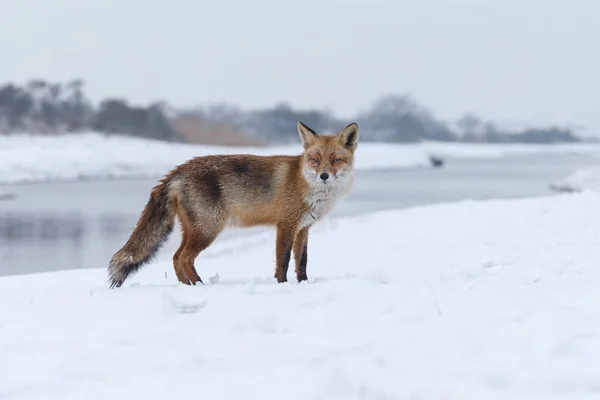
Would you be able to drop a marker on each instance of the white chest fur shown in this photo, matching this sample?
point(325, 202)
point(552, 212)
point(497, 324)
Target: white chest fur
point(320, 202)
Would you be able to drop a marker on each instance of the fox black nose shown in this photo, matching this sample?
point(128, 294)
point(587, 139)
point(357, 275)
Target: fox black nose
point(324, 176)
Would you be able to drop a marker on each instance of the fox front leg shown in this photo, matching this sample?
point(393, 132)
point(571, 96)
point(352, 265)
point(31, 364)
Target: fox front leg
point(285, 240)
point(301, 254)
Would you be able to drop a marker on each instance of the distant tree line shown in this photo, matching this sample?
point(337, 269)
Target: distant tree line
point(473, 129)
point(46, 107)
point(43, 107)
point(392, 118)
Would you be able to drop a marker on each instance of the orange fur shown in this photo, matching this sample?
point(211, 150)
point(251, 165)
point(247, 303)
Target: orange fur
point(209, 193)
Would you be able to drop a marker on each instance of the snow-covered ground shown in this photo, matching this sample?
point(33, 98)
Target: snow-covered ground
point(472, 300)
point(581, 179)
point(31, 158)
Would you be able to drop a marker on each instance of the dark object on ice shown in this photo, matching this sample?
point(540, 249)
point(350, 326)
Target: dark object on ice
point(563, 188)
point(436, 162)
point(6, 196)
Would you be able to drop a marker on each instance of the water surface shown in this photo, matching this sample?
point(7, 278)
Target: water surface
point(56, 226)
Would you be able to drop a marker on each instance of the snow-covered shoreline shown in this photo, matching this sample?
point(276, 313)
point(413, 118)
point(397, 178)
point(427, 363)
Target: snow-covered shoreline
point(471, 300)
point(35, 158)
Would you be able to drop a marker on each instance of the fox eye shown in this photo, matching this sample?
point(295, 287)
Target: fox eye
point(314, 160)
point(337, 160)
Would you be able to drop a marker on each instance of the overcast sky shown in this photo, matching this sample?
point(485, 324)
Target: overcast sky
point(511, 61)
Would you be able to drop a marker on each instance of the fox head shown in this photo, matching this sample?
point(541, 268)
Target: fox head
point(328, 159)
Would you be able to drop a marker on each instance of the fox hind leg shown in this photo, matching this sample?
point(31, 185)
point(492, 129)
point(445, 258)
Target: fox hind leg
point(197, 242)
point(199, 232)
point(181, 276)
point(188, 255)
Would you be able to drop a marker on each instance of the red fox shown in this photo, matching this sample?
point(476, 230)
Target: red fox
point(212, 192)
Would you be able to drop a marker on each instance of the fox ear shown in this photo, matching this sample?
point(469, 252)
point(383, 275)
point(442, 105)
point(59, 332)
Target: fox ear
point(348, 137)
point(307, 135)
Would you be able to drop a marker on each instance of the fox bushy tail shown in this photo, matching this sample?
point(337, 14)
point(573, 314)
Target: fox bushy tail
point(150, 233)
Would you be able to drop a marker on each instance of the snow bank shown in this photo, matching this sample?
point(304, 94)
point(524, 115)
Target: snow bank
point(30, 158)
point(474, 300)
point(582, 179)
point(487, 151)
